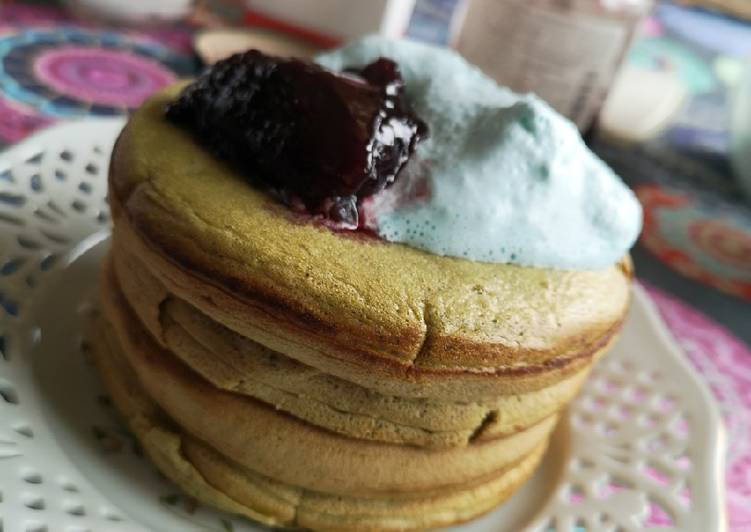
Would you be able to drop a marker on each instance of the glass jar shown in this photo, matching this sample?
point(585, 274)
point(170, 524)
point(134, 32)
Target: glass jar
point(566, 51)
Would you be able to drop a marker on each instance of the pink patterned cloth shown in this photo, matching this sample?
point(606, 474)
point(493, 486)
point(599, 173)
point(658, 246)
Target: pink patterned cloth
point(725, 363)
point(55, 67)
point(21, 15)
point(110, 77)
point(19, 120)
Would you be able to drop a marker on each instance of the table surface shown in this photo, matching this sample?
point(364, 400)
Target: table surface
point(56, 68)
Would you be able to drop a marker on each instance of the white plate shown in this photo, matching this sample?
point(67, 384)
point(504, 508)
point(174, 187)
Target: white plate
point(642, 444)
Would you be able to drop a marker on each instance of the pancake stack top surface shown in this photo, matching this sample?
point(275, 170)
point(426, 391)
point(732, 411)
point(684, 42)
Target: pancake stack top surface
point(325, 379)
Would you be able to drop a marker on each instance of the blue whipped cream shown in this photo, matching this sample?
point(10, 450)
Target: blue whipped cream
point(508, 179)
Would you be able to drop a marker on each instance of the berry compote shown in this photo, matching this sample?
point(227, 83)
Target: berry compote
point(320, 140)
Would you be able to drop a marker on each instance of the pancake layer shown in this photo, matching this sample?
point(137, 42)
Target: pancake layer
point(301, 377)
point(233, 363)
point(282, 447)
point(218, 481)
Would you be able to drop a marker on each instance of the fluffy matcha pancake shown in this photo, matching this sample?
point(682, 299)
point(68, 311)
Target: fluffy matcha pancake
point(211, 478)
point(458, 329)
point(234, 363)
point(284, 448)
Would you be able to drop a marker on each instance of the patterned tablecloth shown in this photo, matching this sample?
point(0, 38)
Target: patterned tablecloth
point(697, 220)
point(53, 68)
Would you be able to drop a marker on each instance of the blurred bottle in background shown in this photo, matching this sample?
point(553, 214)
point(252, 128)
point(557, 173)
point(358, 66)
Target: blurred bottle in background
point(293, 27)
point(334, 21)
point(566, 51)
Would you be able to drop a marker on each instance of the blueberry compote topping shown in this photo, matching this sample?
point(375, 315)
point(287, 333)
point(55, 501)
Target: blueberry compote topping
point(321, 140)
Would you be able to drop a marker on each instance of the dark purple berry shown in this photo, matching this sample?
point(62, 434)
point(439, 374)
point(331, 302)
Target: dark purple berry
point(314, 136)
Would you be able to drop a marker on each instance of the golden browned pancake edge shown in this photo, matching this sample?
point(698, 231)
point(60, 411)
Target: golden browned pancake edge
point(216, 480)
point(386, 307)
point(234, 363)
point(284, 448)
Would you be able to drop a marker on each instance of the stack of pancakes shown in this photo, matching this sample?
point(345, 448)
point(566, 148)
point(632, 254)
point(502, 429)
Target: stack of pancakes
point(302, 377)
